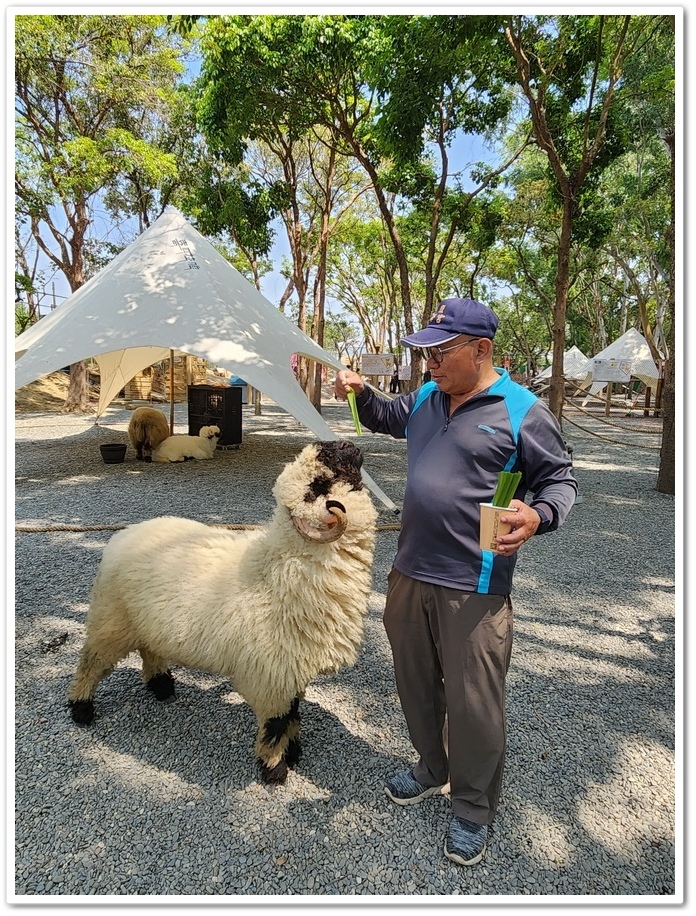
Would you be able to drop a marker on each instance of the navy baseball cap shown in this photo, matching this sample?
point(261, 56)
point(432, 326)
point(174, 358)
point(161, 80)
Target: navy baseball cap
point(452, 318)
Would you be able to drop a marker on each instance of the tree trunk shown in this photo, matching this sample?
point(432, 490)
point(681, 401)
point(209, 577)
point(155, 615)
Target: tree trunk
point(666, 473)
point(77, 398)
point(319, 299)
point(389, 221)
point(557, 385)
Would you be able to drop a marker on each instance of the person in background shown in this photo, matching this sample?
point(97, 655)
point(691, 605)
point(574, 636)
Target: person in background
point(448, 612)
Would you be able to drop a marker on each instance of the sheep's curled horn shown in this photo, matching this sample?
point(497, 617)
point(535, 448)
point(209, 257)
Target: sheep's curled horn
point(335, 521)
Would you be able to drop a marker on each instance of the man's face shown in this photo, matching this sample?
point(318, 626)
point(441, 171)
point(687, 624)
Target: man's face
point(455, 366)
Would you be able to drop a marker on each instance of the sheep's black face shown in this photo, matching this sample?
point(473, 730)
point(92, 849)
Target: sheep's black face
point(343, 461)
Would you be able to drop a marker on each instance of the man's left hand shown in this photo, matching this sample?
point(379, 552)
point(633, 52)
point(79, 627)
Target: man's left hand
point(524, 521)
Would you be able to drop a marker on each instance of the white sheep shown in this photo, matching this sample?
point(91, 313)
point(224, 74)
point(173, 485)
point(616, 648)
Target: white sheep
point(269, 609)
point(148, 427)
point(184, 448)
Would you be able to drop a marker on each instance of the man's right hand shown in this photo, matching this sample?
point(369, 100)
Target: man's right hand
point(345, 380)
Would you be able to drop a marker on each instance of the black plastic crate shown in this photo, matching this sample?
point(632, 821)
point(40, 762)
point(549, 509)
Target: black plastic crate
point(211, 405)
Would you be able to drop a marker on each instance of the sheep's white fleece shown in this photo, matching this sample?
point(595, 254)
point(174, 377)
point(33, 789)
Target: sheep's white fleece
point(268, 609)
point(180, 447)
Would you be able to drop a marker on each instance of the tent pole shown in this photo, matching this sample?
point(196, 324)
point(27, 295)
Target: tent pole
point(171, 392)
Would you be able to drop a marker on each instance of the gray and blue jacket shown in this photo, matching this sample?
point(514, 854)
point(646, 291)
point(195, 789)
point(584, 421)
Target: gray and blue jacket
point(453, 465)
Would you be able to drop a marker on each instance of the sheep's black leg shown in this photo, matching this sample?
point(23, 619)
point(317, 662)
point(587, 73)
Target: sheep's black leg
point(277, 727)
point(294, 751)
point(93, 666)
point(275, 731)
point(82, 711)
point(157, 676)
point(274, 776)
point(162, 685)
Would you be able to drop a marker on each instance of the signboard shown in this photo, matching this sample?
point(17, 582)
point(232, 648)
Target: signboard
point(404, 373)
point(611, 370)
point(377, 364)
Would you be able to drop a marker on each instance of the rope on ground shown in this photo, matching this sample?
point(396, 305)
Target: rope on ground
point(50, 425)
point(628, 429)
point(44, 529)
point(607, 439)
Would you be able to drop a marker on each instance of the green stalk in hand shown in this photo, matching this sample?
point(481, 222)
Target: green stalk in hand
point(354, 411)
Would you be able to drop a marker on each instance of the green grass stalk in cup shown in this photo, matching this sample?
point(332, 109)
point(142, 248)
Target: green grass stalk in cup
point(505, 488)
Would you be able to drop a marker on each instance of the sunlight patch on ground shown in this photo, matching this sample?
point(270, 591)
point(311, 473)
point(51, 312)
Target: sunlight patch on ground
point(586, 465)
point(283, 433)
point(575, 638)
point(549, 844)
point(637, 804)
point(136, 774)
point(571, 667)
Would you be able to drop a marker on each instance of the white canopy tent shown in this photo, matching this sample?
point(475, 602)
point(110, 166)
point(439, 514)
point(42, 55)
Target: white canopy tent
point(630, 347)
point(171, 290)
point(576, 368)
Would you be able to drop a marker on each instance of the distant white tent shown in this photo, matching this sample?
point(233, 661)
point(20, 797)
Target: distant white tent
point(576, 367)
point(630, 347)
point(171, 290)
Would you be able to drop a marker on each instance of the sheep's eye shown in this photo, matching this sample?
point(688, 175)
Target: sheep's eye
point(320, 486)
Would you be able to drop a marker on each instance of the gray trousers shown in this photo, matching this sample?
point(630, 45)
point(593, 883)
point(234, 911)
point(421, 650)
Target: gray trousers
point(451, 654)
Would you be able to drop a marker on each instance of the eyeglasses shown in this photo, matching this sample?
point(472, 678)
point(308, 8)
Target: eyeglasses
point(437, 354)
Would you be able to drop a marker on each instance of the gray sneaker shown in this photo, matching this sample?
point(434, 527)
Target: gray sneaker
point(465, 842)
point(404, 789)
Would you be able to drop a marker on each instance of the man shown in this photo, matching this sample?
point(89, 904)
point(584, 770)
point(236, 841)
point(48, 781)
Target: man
point(448, 613)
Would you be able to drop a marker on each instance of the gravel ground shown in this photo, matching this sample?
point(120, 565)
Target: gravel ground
point(165, 800)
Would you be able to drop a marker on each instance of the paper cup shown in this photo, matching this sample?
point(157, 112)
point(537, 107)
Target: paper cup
point(491, 526)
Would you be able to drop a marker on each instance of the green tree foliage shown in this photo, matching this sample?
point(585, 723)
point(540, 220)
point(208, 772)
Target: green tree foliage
point(92, 95)
point(569, 68)
point(342, 75)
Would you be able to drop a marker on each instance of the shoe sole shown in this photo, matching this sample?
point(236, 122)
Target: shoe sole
point(460, 860)
point(435, 790)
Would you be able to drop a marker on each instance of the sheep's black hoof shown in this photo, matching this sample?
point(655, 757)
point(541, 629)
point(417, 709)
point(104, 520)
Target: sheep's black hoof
point(274, 776)
point(294, 752)
point(82, 711)
point(148, 459)
point(162, 685)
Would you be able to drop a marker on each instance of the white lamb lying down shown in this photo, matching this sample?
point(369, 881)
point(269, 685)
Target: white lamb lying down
point(269, 609)
point(183, 448)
